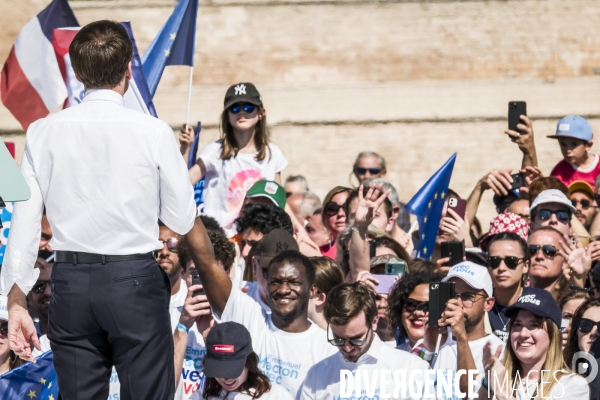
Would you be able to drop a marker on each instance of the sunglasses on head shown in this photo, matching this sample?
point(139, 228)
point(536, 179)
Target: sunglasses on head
point(353, 342)
point(411, 305)
point(39, 287)
point(585, 204)
point(171, 244)
point(586, 325)
point(561, 215)
point(511, 262)
point(548, 250)
point(236, 108)
point(372, 171)
point(4, 329)
point(332, 208)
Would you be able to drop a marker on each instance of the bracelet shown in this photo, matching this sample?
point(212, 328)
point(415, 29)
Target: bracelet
point(182, 328)
point(426, 354)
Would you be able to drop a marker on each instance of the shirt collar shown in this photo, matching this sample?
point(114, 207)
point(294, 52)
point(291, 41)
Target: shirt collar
point(103, 94)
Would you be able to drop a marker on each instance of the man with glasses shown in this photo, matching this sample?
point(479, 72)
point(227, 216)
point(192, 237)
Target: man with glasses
point(38, 299)
point(351, 312)
point(168, 260)
point(552, 208)
point(465, 315)
point(581, 195)
point(369, 164)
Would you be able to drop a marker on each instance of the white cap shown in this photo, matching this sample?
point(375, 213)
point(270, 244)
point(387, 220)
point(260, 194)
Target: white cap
point(4, 308)
point(474, 275)
point(553, 196)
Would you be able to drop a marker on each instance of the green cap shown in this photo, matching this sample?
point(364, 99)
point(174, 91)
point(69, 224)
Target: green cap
point(269, 189)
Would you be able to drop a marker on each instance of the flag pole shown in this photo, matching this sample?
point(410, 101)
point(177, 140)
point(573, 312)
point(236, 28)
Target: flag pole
point(187, 116)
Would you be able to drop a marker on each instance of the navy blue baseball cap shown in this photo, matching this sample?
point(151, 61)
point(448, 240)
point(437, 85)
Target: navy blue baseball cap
point(228, 345)
point(538, 302)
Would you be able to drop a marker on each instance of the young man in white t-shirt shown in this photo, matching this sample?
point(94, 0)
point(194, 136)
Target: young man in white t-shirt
point(351, 312)
point(286, 341)
point(465, 315)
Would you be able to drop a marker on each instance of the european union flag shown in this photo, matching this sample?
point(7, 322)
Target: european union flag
point(198, 187)
point(174, 44)
point(427, 205)
point(31, 381)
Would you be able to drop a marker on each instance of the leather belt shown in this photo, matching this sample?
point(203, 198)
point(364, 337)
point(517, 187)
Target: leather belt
point(91, 258)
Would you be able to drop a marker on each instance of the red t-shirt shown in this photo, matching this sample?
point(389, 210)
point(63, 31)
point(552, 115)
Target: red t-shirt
point(568, 173)
point(329, 251)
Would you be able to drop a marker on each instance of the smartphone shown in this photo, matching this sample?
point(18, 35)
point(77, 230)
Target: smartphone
point(457, 205)
point(386, 283)
point(515, 110)
point(455, 250)
point(196, 281)
point(518, 181)
point(564, 324)
point(395, 268)
point(439, 294)
point(372, 248)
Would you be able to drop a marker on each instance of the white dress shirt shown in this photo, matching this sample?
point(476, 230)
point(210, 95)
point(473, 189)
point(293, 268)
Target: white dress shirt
point(106, 174)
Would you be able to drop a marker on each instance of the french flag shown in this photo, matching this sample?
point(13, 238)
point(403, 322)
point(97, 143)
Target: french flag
point(32, 85)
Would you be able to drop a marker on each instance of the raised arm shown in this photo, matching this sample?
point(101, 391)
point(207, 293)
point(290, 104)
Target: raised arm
point(524, 139)
point(215, 280)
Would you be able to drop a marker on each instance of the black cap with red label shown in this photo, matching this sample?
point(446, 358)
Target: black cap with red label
point(228, 345)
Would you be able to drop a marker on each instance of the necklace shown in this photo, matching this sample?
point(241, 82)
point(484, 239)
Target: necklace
point(501, 320)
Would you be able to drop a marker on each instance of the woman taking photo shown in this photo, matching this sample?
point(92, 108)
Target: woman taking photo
point(231, 367)
point(534, 345)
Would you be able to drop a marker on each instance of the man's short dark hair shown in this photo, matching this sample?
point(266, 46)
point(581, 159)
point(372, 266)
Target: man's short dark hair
point(347, 300)
point(100, 54)
point(293, 256)
point(263, 218)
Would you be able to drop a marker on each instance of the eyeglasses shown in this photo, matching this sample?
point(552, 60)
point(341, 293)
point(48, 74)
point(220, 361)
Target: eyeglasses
point(39, 287)
point(511, 262)
point(561, 215)
point(4, 329)
point(248, 108)
point(171, 244)
point(548, 250)
point(468, 298)
point(411, 305)
point(332, 208)
point(353, 342)
point(372, 171)
point(585, 204)
point(586, 325)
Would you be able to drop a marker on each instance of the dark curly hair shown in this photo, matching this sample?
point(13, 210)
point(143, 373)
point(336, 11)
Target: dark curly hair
point(224, 250)
point(402, 290)
point(211, 224)
point(263, 218)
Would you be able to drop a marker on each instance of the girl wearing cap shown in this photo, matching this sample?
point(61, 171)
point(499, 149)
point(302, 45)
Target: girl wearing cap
point(242, 156)
point(535, 346)
point(584, 329)
point(231, 367)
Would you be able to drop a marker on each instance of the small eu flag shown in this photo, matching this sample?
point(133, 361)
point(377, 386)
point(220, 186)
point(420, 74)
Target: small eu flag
point(199, 186)
point(427, 205)
point(31, 381)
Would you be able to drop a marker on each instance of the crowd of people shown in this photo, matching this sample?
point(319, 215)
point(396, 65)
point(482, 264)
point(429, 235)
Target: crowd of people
point(275, 292)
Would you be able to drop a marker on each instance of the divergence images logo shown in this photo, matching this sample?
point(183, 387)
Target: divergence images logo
point(590, 365)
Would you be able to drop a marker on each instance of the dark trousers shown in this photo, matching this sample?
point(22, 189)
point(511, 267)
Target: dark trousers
point(112, 314)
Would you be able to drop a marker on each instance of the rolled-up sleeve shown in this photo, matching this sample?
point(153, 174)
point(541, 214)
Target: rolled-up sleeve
point(177, 206)
point(24, 234)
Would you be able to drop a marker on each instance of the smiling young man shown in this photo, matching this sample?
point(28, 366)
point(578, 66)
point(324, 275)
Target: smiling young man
point(581, 195)
point(351, 312)
point(286, 341)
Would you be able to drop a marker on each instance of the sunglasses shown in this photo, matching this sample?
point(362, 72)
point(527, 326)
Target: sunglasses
point(562, 215)
point(332, 208)
point(236, 108)
point(171, 244)
point(353, 342)
point(585, 204)
point(586, 325)
point(372, 171)
point(39, 287)
point(511, 262)
point(411, 305)
point(548, 250)
point(4, 329)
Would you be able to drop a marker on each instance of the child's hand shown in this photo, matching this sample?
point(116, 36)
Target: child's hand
point(186, 135)
point(524, 137)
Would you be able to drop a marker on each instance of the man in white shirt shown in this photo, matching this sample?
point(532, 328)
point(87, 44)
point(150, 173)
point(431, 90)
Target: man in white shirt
point(105, 174)
point(465, 315)
point(351, 312)
point(286, 341)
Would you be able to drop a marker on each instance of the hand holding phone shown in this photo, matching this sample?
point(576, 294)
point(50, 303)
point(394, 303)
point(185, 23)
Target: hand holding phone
point(515, 110)
point(453, 250)
point(457, 205)
point(196, 281)
point(386, 283)
point(439, 294)
point(518, 181)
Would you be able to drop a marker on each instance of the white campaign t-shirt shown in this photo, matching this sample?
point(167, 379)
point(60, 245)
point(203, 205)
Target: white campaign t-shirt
point(447, 358)
point(284, 357)
point(568, 387)
point(191, 380)
point(276, 393)
point(323, 380)
point(227, 181)
point(254, 292)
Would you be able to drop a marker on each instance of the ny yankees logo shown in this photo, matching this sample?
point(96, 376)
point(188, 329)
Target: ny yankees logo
point(240, 89)
point(281, 246)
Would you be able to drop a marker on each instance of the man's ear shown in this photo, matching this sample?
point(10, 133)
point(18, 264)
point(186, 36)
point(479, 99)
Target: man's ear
point(320, 298)
point(312, 291)
point(375, 321)
point(128, 72)
point(489, 304)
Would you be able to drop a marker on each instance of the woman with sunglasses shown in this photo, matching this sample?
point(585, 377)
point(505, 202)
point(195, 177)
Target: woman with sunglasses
point(8, 359)
point(369, 165)
point(585, 329)
point(568, 307)
point(507, 264)
point(334, 217)
point(242, 156)
point(533, 363)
